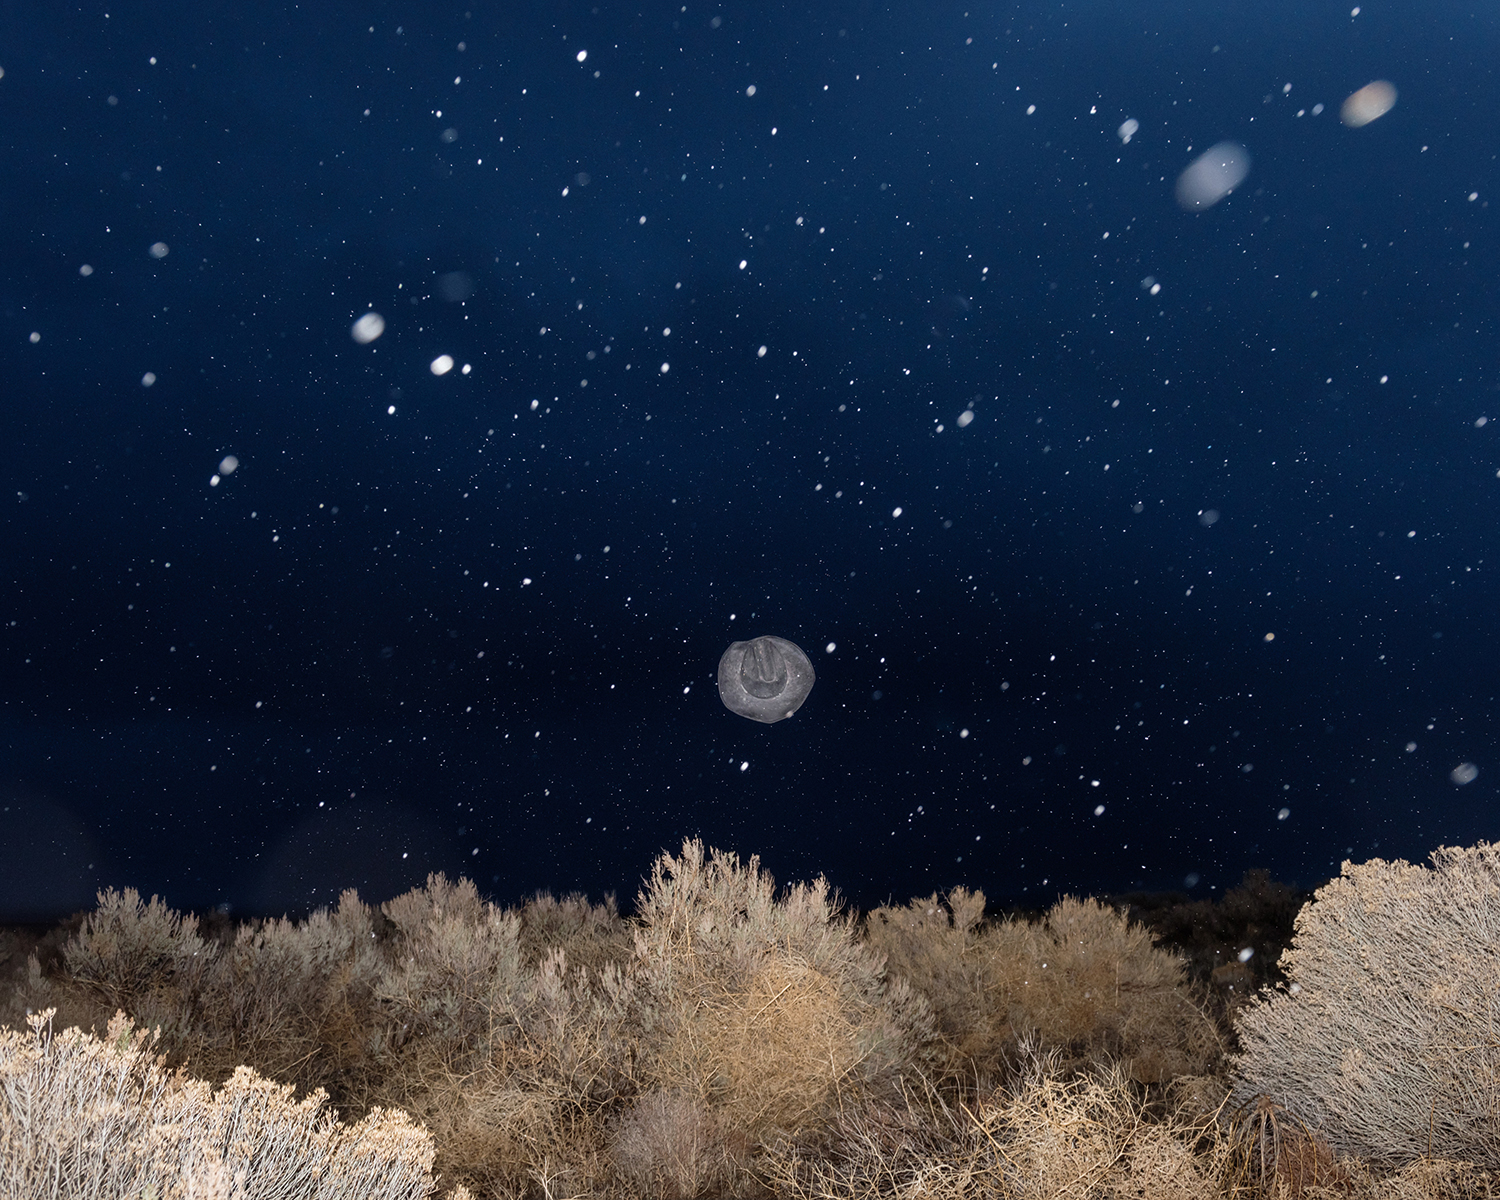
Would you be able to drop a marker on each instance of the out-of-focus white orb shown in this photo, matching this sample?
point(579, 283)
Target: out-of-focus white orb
point(1212, 176)
point(1368, 104)
point(367, 328)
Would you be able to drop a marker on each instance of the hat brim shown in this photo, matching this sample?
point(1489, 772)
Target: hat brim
point(800, 680)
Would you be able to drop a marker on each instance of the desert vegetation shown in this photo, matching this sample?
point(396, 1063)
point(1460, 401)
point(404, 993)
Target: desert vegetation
point(730, 1039)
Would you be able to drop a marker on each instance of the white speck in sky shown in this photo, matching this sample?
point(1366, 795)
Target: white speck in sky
point(965, 418)
point(582, 54)
point(441, 365)
point(744, 766)
point(158, 250)
point(1465, 772)
point(896, 512)
point(1128, 129)
point(148, 378)
point(761, 353)
point(1098, 810)
point(229, 465)
point(963, 733)
point(830, 648)
point(665, 367)
point(1283, 813)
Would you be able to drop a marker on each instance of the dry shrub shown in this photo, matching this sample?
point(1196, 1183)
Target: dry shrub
point(1054, 1137)
point(1439, 1179)
point(1270, 1153)
point(528, 1105)
point(455, 962)
point(766, 1007)
point(1385, 1039)
point(295, 1000)
point(503, 1140)
point(938, 946)
point(80, 1116)
point(592, 935)
point(1096, 984)
point(1090, 1135)
point(517, 1065)
point(1084, 979)
point(516, 1069)
point(731, 1039)
point(136, 954)
point(773, 1057)
point(670, 1145)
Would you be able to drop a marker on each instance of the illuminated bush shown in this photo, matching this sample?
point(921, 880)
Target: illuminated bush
point(81, 1116)
point(1384, 1038)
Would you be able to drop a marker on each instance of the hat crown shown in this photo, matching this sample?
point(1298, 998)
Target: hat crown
point(763, 670)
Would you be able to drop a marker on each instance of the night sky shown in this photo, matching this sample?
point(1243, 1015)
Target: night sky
point(1135, 541)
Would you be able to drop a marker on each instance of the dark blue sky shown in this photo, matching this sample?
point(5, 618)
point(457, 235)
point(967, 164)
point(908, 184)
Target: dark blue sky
point(1215, 549)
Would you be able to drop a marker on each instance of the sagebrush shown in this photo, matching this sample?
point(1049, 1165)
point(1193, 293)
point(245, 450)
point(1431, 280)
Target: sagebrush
point(733, 1039)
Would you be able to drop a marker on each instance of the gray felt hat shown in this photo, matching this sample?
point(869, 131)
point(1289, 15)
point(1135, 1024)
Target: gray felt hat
point(765, 679)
